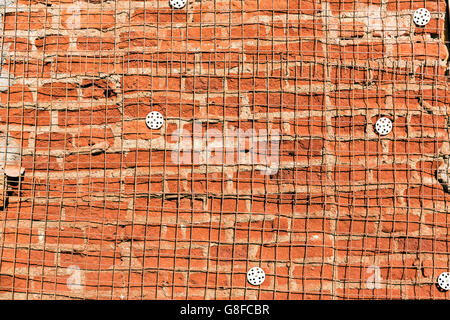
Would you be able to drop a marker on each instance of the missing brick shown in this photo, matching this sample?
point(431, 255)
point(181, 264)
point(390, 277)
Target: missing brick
point(443, 173)
point(10, 165)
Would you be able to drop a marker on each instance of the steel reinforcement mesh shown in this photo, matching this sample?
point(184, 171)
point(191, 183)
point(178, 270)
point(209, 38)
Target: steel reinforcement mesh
point(267, 156)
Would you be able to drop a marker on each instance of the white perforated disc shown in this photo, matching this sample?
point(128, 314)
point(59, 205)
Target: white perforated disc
point(256, 276)
point(177, 4)
point(444, 280)
point(154, 120)
point(383, 126)
point(422, 17)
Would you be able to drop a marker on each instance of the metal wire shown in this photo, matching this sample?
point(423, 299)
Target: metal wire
point(107, 208)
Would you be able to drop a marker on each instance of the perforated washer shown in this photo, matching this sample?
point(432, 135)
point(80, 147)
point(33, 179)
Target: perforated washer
point(383, 126)
point(421, 17)
point(177, 4)
point(444, 281)
point(256, 276)
point(154, 120)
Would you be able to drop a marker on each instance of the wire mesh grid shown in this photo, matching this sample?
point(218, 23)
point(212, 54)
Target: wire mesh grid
point(267, 156)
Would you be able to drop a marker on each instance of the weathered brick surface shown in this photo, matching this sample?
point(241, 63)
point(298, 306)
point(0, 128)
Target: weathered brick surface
point(104, 212)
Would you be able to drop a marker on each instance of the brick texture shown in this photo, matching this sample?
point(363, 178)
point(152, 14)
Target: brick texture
point(103, 211)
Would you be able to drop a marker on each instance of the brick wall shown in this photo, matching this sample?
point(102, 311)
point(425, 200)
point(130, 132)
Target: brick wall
point(103, 211)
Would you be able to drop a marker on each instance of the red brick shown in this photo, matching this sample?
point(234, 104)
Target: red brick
point(431, 75)
point(348, 150)
point(426, 196)
point(90, 116)
point(93, 136)
point(144, 158)
point(71, 236)
point(361, 203)
point(312, 126)
point(74, 65)
point(33, 20)
point(137, 39)
point(310, 7)
point(358, 99)
point(29, 117)
point(94, 161)
point(52, 43)
point(414, 146)
point(354, 29)
point(355, 227)
point(58, 91)
point(144, 184)
point(30, 68)
point(412, 245)
point(17, 94)
point(426, 124)
point(301, 149)
point(400, 5)
point(18, 44)
point(95, 43)
point(349, 175)
point(20, 236)
point(311, 224)
point(40, 163)
point(306, 28)
point(205, 84)
point(88, 19)
point(148, 83)
point(90, 259)
point(161, 15)
point(96, 211)
point(393, 173)
point(338, 6)
point(346, 75)
point(359, 52)
point(428, 51)
point(98, 89)
point(400, 222)
point(434, 26)
point(53, 141)
point(349, 125)
point(368, 245)
point(306, 74)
